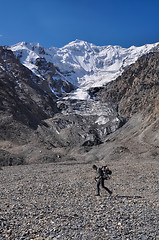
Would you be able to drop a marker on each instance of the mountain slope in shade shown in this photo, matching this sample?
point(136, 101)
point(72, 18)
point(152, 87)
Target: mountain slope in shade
point(136, 90)
point(80, 63)
point(20, 95)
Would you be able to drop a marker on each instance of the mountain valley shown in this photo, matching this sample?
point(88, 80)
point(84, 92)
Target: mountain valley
point(57, 119)
point(42, 121)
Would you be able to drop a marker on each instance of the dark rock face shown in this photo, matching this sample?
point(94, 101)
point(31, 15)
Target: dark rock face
point(20, 96)
point(137, 89)
point(52, 82)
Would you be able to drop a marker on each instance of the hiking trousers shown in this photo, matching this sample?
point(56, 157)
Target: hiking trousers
point(101, 182)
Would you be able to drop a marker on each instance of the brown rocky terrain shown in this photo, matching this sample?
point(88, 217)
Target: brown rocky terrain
point(57, 200)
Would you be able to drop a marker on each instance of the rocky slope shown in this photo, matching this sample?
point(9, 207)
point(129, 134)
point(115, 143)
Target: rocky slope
point(21, 93)
point(23, 104)
point(137, 89)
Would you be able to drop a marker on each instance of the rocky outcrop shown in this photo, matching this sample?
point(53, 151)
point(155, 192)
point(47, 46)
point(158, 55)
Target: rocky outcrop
point(51, 80)
point(137, 89)
point(156, 109)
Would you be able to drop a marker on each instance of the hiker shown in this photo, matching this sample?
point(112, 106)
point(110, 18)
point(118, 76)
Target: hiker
point(100, 180)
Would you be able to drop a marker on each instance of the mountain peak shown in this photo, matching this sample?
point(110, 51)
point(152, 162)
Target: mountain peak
point(77, 43)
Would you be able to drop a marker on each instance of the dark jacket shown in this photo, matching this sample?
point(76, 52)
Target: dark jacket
point(99, 173)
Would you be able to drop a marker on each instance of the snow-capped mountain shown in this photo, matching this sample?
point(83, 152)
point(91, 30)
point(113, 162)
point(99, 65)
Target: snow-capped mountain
point(82, 64)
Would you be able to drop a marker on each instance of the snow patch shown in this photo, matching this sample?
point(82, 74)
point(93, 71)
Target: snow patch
point(102, 120)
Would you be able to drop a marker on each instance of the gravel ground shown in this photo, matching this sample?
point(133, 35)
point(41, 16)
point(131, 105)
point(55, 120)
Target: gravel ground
point(57, 201)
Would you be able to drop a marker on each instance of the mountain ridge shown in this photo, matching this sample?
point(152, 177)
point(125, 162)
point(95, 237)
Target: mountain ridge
point(80, 63)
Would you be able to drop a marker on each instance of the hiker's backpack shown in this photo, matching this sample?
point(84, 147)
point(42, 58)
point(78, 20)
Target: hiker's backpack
point(106, 172)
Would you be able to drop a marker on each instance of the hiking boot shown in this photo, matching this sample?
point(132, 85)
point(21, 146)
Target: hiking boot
point(110, 193)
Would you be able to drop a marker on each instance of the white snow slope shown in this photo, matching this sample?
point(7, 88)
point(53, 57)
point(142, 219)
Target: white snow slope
point(81, 63)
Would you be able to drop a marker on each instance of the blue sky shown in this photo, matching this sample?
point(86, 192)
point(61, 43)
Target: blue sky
point(58, 22)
